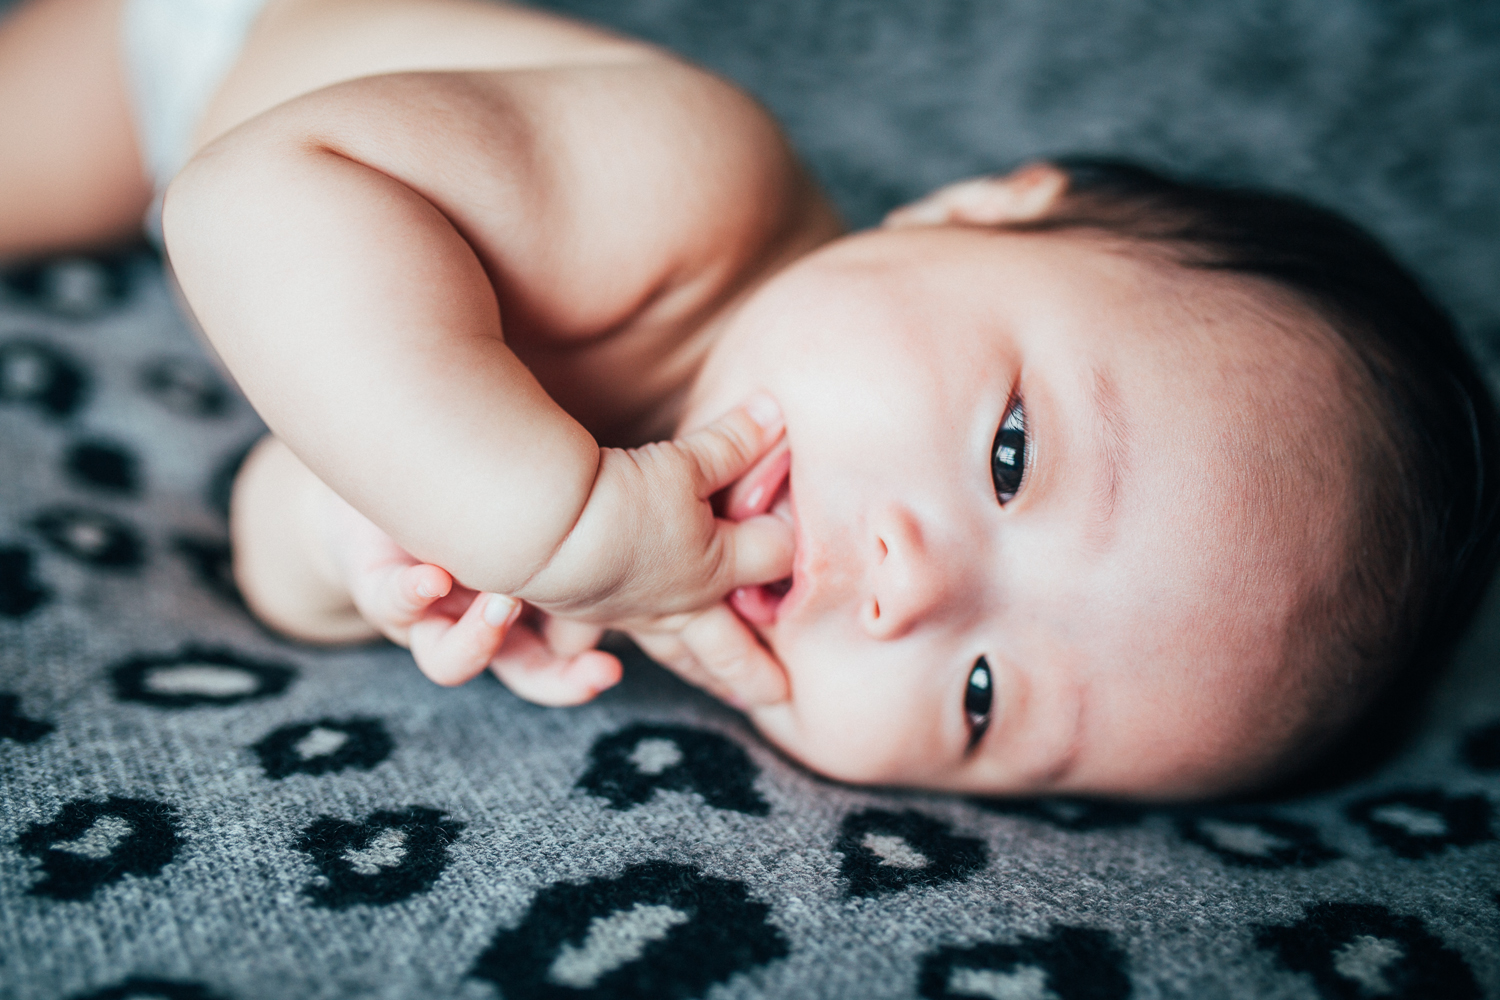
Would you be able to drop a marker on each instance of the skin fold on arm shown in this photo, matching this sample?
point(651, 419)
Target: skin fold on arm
point(362, 289)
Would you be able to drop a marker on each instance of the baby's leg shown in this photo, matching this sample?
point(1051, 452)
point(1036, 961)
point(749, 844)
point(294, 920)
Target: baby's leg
point(313, 567)
point(70, 171)
point(281, 520)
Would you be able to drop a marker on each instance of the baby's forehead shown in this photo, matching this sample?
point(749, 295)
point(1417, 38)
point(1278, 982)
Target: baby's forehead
point(1239, 446)
point(1235, 354)
point(1234, 518)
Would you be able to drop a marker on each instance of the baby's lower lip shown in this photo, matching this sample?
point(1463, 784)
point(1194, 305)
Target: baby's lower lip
point(759, 604)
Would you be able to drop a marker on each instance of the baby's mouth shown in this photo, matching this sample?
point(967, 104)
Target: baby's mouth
point(765, 489)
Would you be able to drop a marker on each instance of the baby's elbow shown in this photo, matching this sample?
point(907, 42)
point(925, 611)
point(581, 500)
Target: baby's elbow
point(186, 212)
point(220, 197)
point(202, 202)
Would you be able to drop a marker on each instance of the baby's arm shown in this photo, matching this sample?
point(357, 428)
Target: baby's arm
point(344, 253)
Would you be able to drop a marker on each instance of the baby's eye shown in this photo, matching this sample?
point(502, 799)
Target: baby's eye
point(979, 695)
point(1008, 458)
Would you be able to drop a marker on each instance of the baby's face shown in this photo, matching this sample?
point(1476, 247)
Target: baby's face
point(1056, 506)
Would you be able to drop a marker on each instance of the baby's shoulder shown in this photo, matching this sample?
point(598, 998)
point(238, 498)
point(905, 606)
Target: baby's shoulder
point(593, 194)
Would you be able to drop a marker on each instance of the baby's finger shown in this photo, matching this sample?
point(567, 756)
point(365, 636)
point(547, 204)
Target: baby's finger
point(717, 652)
point(393, 596)
point(727, 448)
point(667, 649)
point(535, 673)
point(566, 637)
point(758, 550)
point(733, 657)
point(452, 652)
point(671, 652)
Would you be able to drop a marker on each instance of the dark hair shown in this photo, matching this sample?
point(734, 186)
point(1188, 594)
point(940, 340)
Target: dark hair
point(1425, 542)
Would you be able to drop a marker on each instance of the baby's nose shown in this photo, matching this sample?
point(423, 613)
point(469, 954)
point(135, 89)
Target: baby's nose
point(907, 582)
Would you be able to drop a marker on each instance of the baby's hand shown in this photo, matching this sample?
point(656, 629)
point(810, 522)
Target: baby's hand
point(715, 650)
point(454, 632)
point(647, 543)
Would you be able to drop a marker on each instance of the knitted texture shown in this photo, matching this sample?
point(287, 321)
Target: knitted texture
point(194, 808)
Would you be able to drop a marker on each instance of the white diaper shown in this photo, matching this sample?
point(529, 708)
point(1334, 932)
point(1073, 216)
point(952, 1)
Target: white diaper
point(176, 53)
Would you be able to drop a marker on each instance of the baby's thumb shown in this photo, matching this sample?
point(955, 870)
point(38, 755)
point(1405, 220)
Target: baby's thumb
point(760, 550)
point(726, 449)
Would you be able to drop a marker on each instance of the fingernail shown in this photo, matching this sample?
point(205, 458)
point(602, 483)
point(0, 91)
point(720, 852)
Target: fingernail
point(763, 410)
point(423, 590)
point(500, 610)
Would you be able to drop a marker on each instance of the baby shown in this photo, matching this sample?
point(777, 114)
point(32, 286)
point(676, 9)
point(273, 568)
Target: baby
point(1077, 479)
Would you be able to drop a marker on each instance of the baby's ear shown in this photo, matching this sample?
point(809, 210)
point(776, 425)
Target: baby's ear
point(1023, 195)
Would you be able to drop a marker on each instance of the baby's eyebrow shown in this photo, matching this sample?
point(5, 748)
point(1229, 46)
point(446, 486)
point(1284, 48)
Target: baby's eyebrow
point(1112, 438)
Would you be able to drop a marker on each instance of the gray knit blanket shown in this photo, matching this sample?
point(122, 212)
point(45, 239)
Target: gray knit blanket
point(192, 807)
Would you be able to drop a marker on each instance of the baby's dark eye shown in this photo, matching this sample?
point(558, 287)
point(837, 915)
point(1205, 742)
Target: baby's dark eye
point(979, 695)
point(1008, 457)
